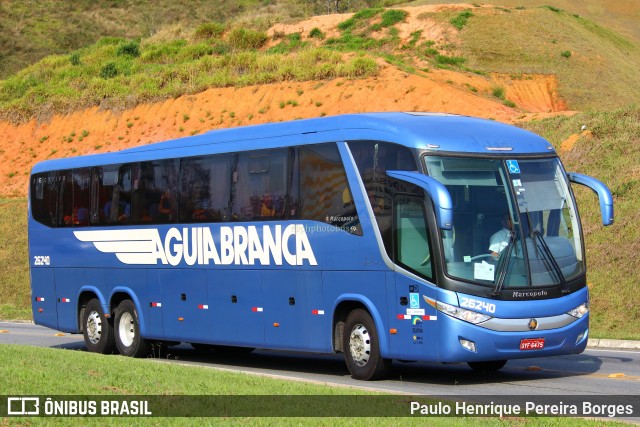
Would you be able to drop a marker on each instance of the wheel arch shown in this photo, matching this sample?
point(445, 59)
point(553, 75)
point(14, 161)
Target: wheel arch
point(86, 294)
point(344, 305)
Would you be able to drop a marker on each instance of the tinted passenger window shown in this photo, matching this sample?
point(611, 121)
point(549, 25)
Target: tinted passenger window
point(44, 198)
point(259, 185)
point(324, 191)
point(75, 197)
point(374, 159)
point(155, 188)
point(112, 194)
point(205, 192)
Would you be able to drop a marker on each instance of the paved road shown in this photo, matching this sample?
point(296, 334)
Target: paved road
point(596, 371)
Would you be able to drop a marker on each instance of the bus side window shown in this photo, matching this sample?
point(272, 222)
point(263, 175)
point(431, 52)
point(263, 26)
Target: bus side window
point(324, 191)
point(204, 196)
point(259, 185)
point(113, 194)
point(155, 190)
point(44, 198)
point(411, 235)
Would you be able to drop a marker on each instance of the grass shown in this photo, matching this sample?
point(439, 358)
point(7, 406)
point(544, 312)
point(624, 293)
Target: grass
point(45, 27)
point(36, 371)
point(612, 155)
point(14, 275)
point(461, 19)
point(158, 73)
point(550, 39)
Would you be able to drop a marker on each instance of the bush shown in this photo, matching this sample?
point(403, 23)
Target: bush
point(109, 71)
point(498, 92)
point(243, 39)
point(565, 54)
point(75, 58)
point(131, 49)
point(211, 30)
point(316, 33)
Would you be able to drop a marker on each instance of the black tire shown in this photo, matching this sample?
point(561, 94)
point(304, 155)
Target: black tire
point(488, 366)
point(362, 348)
point(97, 330)
point(127, 331)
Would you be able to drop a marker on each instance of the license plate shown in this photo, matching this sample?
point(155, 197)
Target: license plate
point(532, 344)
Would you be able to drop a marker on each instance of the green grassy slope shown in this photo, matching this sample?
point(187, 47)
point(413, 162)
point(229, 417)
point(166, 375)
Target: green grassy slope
point(37, 28)
point(14, 260)
point(611, 154)
point(621, 16)
point(597, 68)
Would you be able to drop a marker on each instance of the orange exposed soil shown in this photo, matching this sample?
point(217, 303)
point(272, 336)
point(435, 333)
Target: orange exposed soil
point(93, 130)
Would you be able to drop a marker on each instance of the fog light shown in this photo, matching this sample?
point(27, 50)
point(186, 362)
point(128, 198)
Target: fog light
point(582, 336)
point(469, 345)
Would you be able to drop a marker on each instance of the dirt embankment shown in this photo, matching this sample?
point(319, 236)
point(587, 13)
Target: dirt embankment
point(93, 130)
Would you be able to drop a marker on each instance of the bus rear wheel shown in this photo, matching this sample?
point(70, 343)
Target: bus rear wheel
point(97, 331)
point(362, 348)
point(488, 366)
point(127, 331)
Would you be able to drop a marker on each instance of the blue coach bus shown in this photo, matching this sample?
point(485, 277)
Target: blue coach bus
point(382, 236)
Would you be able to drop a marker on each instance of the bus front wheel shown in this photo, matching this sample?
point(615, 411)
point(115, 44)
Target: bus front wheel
point(97, 331)
point(127, 331)
point(362, 347)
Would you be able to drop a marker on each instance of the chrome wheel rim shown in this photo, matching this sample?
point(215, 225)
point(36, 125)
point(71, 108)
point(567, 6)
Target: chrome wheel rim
point(360, 345)
point(94, 327)
point(126, 329)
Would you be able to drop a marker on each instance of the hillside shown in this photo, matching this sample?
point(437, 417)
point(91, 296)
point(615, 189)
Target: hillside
point(540, 67)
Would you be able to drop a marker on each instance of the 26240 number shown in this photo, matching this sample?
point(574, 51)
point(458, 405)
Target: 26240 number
point(477, 305)
point(41, 260)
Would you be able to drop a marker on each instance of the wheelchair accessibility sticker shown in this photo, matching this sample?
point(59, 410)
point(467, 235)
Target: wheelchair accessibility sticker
point(513, 166)
point(414, 300)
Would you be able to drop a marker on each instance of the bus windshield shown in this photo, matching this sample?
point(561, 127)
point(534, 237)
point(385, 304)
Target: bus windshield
point(515, 222)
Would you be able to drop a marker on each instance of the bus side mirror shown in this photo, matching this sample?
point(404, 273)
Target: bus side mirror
point(604, 195)
point(436, 191)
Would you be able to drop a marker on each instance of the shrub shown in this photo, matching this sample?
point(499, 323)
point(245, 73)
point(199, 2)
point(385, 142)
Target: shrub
point(210, 30)
point(316, 33)
point(498, 92)
point(565, 54)
point(109, 71)
point(131, 49)
point(243, 39)
point(75, 58)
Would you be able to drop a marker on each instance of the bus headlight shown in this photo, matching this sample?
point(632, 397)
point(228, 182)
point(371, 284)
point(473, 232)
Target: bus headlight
point(461, 313)
point(580, 310)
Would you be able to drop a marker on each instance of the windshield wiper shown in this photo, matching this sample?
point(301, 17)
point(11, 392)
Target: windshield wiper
point(502, 265)
point(546, 252)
